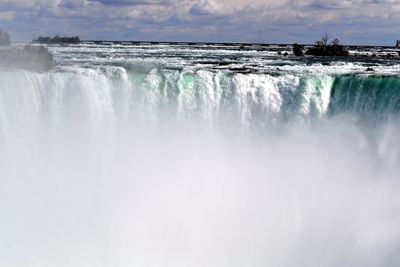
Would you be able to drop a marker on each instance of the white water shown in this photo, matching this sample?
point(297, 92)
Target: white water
point(101, 167)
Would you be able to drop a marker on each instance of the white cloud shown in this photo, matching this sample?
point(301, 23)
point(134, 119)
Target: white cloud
point(232, 20)
point(211, 7)
point(7, 15)
point(19, 3)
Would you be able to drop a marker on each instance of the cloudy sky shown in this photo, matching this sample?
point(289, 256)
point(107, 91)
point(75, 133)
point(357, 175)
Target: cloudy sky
point(352, 21)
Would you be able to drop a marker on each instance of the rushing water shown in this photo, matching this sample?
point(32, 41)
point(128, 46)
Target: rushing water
point(193, 157)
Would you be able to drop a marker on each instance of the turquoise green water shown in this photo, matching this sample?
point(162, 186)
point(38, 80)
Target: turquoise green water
point(367, 96)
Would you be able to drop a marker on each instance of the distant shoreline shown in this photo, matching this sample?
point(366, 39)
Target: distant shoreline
point(245, 44)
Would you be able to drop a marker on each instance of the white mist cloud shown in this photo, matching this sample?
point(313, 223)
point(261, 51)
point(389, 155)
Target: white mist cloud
point(89, 190)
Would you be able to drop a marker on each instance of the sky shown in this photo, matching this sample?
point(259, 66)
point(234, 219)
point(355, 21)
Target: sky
point(285, 21)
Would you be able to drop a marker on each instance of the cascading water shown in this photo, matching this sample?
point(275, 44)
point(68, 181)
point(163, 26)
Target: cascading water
point(368, 96)
point(163, 161)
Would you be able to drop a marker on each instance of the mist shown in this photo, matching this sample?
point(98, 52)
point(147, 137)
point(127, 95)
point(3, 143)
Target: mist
point(30, 57)
point(86, 183)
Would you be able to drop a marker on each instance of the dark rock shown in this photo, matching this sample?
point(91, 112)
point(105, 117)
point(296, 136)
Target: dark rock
point(243, 70)
point(329, 51)
point(298, 50)
point(369, 69)
point(322, 48)
point(224, 63)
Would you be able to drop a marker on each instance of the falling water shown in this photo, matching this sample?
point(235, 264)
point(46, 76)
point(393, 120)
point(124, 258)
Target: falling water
point(163, 161)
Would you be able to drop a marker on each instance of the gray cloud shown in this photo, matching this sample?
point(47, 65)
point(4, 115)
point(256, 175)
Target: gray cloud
point(128, 2)
point(356, 21)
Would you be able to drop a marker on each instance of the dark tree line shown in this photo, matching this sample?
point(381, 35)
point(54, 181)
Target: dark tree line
point(57, 40)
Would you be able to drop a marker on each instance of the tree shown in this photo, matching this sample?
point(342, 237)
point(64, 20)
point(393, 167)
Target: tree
point(57, 40)
point(323, 42)
point(334, 42)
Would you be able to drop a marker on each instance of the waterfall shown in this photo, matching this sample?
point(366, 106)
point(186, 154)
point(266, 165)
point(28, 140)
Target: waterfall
point(113, 166)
